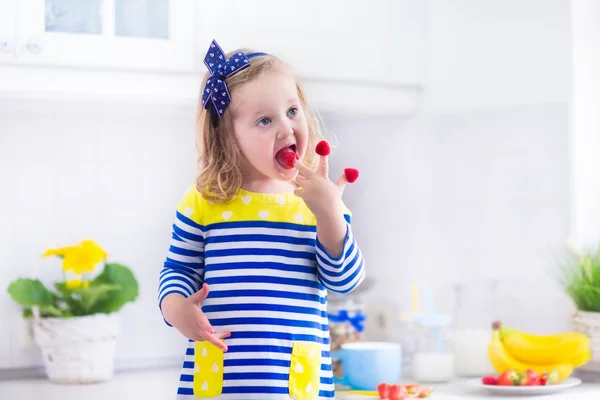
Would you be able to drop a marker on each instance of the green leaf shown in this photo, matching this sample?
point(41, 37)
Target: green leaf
point(50, 311)
point(31, 292)
point(116, 274)
point(85, 299)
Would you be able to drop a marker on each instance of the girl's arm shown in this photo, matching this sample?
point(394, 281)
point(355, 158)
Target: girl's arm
point(183, 270)
point(339, 259)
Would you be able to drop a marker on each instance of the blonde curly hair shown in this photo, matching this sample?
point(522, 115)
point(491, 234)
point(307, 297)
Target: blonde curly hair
point(219, 156)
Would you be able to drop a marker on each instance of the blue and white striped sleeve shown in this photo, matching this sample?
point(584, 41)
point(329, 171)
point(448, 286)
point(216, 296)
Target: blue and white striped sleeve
point(183, 269)
point(344, 273)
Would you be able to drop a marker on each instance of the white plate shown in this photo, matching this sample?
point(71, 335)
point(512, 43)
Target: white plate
point(524, 390)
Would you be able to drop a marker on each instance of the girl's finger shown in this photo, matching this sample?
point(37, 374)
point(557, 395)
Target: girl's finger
point(223, 335)
point(303, 169)
point(323, 168)
point(215, 340)
point(341, 182)
point(300, 180)
point(299, 192)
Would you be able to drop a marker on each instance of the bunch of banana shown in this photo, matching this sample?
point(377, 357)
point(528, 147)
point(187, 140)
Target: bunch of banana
point(511, 349)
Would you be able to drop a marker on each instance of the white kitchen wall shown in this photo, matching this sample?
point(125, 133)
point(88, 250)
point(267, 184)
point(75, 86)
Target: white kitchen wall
point(463, 198)
point(476, 187)
point(442, 199)
point(485, 54)
point(75, 171)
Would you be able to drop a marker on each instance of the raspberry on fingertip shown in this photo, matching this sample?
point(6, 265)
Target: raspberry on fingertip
point(351, 174)
point(323, 148)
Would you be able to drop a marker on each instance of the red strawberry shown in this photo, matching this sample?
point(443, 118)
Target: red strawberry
point(529, 378)
point(351, 174)
point(323, 148)
point(412, 389)
point(549, 378)
point(425, 393)
point(398, 392)
point(289, 158)
point(384, 391)
point(489, 380)
point(508, 378)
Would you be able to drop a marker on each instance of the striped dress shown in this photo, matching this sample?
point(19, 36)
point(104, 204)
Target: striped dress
point(268, 276)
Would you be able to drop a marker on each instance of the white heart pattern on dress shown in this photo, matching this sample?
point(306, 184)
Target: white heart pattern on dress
point(299, 368)
point(309, 387)
point(226, 214)
point(263, 214)
point(215, 368)
point(281, 200)
point(187, 211)
point(204, 352)
point(299, 217)
point(196, 367)
point(246, 199)
point(205, 386)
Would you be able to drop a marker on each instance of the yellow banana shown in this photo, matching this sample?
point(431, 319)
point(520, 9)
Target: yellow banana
point(580, 359)
point(502, 361)
point(547, 349)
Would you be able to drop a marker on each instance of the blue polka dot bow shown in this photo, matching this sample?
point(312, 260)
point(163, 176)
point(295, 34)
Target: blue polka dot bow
point(215, 92)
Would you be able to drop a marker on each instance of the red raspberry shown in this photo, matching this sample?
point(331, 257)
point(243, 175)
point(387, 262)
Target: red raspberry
point(323, 148)
point(351, 174)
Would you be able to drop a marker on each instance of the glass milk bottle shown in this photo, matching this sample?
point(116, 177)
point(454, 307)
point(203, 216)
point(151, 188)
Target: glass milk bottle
point(474, 312)
point(433, 359)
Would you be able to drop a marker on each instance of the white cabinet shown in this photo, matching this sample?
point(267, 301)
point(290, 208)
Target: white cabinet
point(123, 34)
point(352, 55)
point(369, 42)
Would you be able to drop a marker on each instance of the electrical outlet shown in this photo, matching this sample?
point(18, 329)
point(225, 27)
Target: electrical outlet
point(27, 341)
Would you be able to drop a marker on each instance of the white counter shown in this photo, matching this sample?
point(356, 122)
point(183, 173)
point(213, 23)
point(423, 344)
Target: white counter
point(161, 385)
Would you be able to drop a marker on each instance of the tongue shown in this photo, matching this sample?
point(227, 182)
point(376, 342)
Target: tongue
point(286, 158)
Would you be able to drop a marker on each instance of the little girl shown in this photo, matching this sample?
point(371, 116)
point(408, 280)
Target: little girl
point(266, 230)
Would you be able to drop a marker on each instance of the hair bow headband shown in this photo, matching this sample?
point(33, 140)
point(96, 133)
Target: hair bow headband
point(216, 92)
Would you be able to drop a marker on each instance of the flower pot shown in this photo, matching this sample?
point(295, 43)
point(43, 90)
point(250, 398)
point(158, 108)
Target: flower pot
point(589, 323)
point(79, 349)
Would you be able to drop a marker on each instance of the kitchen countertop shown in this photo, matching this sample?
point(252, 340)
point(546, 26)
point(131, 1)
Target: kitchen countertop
point(160, 384)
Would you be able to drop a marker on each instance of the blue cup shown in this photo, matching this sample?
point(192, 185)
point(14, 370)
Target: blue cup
point(367, 364)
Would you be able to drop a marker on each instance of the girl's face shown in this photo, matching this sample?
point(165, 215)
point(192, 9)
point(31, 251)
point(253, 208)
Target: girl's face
point(268, 121)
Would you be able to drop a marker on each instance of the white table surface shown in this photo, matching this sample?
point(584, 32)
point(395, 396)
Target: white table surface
point(160, 384)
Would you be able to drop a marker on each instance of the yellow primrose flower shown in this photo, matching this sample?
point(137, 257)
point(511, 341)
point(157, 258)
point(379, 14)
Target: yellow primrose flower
point(80, 258)
point(77, 284)
point(60, 252)
point(83, 258)
point(95, 251)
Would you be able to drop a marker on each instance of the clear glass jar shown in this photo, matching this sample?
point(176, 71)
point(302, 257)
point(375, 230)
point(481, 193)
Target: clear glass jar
point(474, 311)
point(433, 359)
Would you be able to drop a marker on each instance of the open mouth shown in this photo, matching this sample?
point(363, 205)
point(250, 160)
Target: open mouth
point(287, 156)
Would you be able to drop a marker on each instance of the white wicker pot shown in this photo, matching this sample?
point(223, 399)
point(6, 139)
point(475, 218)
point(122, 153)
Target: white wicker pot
point(79, 349)
point(589, 323)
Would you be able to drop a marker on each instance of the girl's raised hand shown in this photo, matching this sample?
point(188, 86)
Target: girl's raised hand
point(321, 195)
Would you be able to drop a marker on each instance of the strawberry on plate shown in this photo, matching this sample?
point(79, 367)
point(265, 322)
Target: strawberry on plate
point(529, 378)
point(549, 378)
point(508, 378)
point(489, 380)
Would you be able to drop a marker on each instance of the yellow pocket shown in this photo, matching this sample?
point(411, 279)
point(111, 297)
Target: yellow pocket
point(305, 368)
point(208, 370)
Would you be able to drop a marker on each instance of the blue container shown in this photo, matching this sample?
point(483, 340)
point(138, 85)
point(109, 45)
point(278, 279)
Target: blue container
point(367, 364)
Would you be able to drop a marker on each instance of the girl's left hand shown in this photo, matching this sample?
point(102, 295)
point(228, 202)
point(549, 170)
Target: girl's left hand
point(321, 195)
